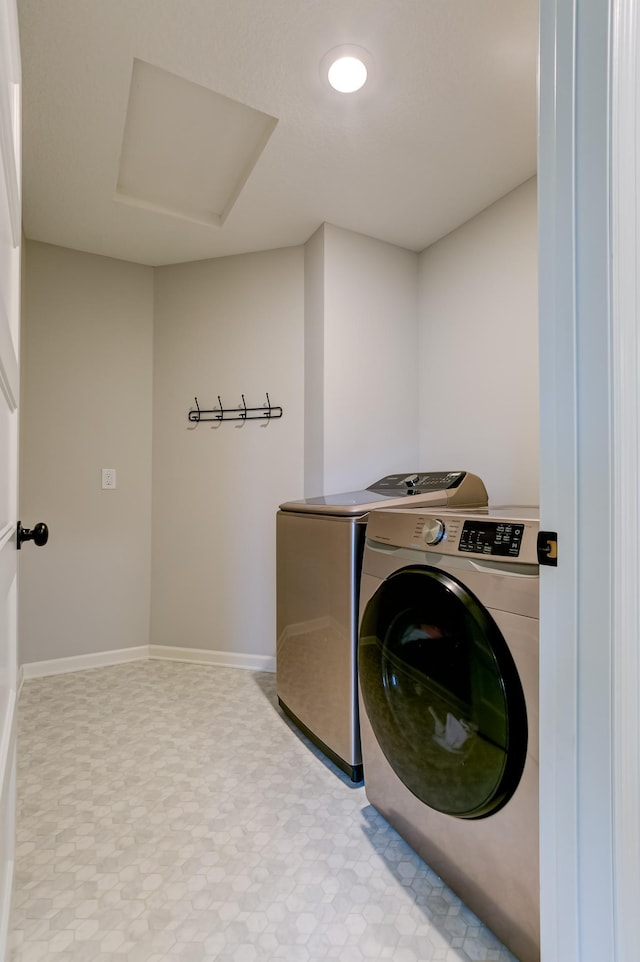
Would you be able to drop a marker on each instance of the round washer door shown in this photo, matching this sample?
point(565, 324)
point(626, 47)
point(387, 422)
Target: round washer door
point(442, 693)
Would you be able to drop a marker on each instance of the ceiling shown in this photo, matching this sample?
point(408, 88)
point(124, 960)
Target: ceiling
point(445, 126)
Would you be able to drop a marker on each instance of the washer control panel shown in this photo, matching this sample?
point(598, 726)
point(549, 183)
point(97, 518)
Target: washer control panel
point(418, 482)
point(433, 531)
point(501, 534)
point(502, 538)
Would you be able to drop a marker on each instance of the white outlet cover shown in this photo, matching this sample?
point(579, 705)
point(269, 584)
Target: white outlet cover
point(108, 479)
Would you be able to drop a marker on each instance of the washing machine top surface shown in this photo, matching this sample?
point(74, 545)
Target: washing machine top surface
point(421, 488)
point(505, 533)
point(519, 512)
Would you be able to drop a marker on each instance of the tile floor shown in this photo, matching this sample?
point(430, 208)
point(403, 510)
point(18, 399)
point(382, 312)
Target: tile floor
point(168, 812)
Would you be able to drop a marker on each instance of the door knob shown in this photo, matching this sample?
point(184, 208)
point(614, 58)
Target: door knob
point(39, 535)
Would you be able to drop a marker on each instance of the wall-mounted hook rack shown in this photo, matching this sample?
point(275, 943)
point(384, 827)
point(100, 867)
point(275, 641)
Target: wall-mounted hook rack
point(267, 412)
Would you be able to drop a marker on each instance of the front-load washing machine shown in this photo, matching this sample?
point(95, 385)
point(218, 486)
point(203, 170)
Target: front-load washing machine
point(448, 673)
point(318, 558)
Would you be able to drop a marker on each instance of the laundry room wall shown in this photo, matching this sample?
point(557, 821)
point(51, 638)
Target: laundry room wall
point(87, 330)
point(227, 327)
point(314, 480)
point(330, 330)
point(382, 359)
point(478, 353)
point(361, 360)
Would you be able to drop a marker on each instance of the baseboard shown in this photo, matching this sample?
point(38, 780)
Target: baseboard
point(222, 659)
point(5, 908)
point(7, 745)
point(100, 659)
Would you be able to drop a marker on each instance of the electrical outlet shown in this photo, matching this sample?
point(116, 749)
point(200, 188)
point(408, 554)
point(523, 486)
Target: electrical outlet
point(108, 479)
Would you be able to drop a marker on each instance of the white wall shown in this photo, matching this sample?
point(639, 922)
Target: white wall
point(86, 404)
point(382, 359)
point(309, 325)
point(314, 386)
point(370, 317)
point(478, 355)
point(228, 326)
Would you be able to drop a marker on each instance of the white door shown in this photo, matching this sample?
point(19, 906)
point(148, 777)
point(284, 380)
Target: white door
point(10, 236)
point(589, 196)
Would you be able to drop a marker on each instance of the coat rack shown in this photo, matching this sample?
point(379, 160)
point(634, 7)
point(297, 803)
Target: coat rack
point(267, 412)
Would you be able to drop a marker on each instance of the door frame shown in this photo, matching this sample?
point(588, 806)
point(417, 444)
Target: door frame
point(625, 233)
point(10, 240)
point(589, 207)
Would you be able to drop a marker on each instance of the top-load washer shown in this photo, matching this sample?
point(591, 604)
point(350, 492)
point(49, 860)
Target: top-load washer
point(448, 666)
point(319, 554)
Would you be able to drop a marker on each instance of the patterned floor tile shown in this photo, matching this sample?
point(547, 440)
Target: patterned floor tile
point(168, 812)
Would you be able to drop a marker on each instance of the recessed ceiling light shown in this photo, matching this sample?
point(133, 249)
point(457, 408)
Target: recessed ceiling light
point(346, 68)
point(347, 74)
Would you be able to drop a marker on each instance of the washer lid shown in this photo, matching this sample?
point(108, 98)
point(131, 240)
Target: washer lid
point(348, 504)
point(359, 503)
point(422, 488)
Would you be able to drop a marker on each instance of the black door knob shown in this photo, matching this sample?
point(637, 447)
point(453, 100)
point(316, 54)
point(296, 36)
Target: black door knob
point(39, 534)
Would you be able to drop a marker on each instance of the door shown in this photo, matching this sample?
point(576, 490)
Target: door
point(589, 251)
point(10, 236)
point(442, 693)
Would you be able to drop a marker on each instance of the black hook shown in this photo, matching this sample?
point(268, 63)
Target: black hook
point(267, 412)
point(195, 415)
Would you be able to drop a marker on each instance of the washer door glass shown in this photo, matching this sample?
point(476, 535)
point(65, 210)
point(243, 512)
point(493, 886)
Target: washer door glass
point(442, 693)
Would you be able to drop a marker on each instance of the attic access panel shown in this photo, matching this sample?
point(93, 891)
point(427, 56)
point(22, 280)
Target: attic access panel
point(187, 150)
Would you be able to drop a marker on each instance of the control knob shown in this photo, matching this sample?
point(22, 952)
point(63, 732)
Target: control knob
point(433, 531)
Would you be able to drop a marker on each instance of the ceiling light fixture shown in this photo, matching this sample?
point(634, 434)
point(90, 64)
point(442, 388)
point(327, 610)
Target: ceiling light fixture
point(347, 74)
point(346, 68)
